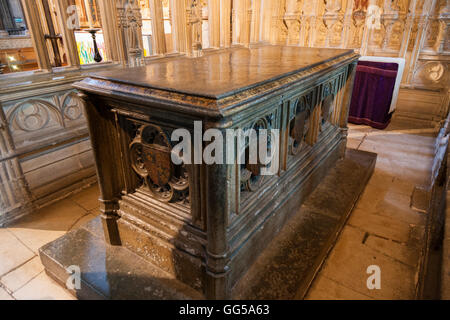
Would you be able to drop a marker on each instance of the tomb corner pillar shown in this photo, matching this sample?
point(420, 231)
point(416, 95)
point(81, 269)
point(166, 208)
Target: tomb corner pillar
point(102, 129)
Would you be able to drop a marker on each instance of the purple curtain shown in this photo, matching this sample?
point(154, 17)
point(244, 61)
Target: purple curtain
point(372, 93)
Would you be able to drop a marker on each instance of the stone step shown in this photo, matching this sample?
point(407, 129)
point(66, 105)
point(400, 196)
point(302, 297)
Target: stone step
point(108, 272)
point(288, 265)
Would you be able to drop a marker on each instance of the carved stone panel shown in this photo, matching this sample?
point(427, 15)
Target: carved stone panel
point(300, 122)
point(251, 178)
point(328, 98)
point(250, 174)
point(150, 154)
point(33, 119)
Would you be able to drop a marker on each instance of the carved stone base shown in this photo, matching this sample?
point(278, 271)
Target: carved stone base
point(117, 273)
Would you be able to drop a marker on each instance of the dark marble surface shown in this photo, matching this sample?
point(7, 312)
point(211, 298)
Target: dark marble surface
point(220, 74)
point(284, 270)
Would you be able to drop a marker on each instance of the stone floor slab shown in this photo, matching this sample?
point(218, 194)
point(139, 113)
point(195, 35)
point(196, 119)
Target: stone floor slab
point(59, 216)
point(401, 252)
point(5, 295)
point(384, 227)
point(85, 219)
point(87, 198)
point(12, 252)
point(397, 206)
point(388, 203)
point(48, 224)
point(353, 258)
point(35, 238)
point(42, 288)
point(22, 275)
point(324, 288)
point(353, 143)
point(381, 181)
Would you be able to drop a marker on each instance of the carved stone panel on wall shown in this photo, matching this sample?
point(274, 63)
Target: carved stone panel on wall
point(32, 119)
point(433, 74)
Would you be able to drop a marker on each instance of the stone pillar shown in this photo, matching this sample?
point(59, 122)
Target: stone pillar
point(241, 22)
point(31, 13)
point(346, 37)
point(133, 38)
point(255, 24)
point(420, 39)
point(304, 26)
point(179, 25)
point(444, 27)
point(214, 23)
point(15, 198)
point(101, 126)
point(158, 36)
point(408, 29)
point(225, 23)
point(115, 47)
point(367, 29)
point(3, 32)
point(68, 35)
point(129, 21)
point(274, 17)
point(331, 18)
point(314, 13)
point(266, 17)
point(8, 22)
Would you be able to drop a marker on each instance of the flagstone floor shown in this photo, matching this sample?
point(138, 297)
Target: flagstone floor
point(383, 230)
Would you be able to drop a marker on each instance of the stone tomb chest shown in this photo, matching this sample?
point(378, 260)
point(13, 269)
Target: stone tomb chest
point(207, 223)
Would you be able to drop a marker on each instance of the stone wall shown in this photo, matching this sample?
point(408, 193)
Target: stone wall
point(416, 30)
